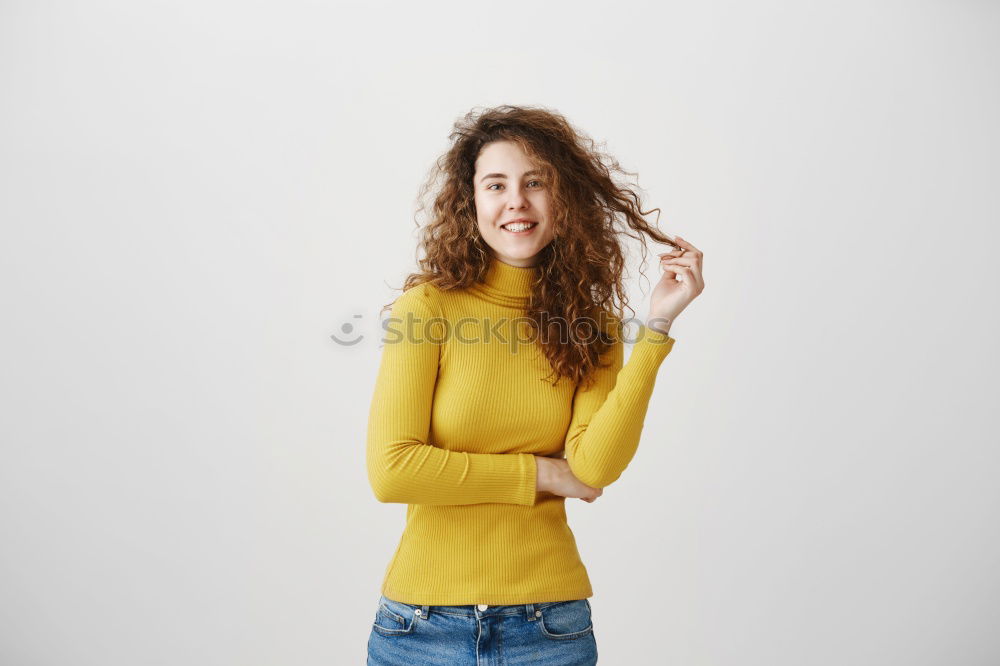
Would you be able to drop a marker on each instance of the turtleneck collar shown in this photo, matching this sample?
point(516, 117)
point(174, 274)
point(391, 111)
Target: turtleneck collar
point(506, 284)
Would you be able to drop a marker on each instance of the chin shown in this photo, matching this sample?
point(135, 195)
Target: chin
point(521, 252)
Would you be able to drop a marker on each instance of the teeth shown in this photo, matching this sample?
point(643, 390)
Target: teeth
point(519, 226)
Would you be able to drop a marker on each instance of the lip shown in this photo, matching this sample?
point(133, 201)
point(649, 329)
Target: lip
point(519, 219)
point(519, 233)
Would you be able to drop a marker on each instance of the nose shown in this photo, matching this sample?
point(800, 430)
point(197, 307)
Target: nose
point(516, 199)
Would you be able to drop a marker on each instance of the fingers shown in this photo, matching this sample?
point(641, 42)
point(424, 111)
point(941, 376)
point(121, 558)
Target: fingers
point(687, 246)
point(687, 263)
point(691, 273)
point(668, 271)
point(687, 251)
point(689, 258)
point(676, 266)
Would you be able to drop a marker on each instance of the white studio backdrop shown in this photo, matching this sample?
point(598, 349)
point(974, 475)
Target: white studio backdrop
point(196, 195)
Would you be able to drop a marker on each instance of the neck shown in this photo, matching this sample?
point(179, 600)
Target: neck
point(514, 281)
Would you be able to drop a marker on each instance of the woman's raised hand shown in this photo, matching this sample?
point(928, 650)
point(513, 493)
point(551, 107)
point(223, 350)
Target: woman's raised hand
point(680, 284)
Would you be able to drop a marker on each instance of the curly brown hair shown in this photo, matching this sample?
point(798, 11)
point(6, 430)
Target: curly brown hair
point(580, 269)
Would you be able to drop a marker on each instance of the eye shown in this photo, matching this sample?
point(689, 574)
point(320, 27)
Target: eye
point(540, 184)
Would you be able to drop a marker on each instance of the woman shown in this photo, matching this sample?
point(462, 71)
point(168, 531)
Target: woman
point(504, 354)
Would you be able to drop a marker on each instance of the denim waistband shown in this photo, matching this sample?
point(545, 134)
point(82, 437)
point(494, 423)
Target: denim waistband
point(472, 610)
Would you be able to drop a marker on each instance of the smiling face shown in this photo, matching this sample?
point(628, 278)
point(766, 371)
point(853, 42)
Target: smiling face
point(509, 187)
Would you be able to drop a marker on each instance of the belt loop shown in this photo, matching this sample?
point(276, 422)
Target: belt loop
point(425, 612)
point(530, 610)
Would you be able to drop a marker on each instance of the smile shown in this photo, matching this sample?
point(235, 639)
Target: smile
point(519, 228)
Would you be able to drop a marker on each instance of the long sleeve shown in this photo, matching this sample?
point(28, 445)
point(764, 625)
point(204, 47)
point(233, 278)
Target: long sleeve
point(403, 466)
point(608, 416)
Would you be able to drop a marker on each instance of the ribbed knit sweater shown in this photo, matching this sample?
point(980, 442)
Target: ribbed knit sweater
point(459, 412)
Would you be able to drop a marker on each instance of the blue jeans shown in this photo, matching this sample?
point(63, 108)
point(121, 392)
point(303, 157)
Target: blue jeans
point(553, 633)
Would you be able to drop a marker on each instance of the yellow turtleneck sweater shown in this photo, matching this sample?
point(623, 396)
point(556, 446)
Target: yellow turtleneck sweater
point(458, 415)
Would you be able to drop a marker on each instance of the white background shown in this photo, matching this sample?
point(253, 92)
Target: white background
point(195, 195)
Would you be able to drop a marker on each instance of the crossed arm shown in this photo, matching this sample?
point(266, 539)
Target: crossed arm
point(402, 465)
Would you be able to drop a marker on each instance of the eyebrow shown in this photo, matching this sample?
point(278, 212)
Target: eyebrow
point(533, 172)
